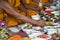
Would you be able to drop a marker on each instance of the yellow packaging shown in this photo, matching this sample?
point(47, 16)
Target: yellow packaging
point(26, 38)
point(49, 22)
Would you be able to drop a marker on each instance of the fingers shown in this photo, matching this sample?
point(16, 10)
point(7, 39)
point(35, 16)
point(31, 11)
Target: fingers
point(41, 23)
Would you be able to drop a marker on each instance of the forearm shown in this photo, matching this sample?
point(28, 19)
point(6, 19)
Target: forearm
point(36, 1)
point(36, 8)
point(28, 6)
point(14, 13)
point(21, 7)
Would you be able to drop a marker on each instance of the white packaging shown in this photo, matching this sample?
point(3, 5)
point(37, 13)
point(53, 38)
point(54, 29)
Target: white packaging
point(36, 17)
point(51, 31)
point(58, 30)
point(14, 29)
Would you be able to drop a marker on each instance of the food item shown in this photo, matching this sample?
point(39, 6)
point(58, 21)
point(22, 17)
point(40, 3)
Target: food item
point(2, 24)
point(48, 23)
point(26, 38)
point(55, 36)
point(4, 33)
point(43, 36)
point(15, 37)
point(22, 33)
point(27, 26)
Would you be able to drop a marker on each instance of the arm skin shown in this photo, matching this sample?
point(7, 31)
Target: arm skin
point(21, 7)
point(37, 8)
point(36, 1)
point(28, 6)
point(9, 9)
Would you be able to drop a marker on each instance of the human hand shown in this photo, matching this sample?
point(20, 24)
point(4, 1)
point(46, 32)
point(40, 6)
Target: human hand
point(40, 23)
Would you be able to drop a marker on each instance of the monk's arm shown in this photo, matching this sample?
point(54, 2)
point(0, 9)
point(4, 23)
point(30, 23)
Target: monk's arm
point(37, 8)
point(10, 10)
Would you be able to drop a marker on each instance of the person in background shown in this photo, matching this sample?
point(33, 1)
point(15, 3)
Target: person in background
point(15, 11)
